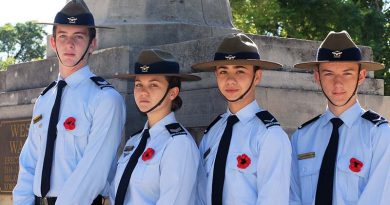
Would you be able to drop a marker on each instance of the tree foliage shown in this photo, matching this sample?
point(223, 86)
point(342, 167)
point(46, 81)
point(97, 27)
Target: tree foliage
point(21, 43)
point(367, 21)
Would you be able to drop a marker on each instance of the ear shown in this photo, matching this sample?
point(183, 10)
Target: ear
point(362, 76)
point(92, 46)
point(317, 76)
point(258, 75)
point(52, 43)
point(173, 93)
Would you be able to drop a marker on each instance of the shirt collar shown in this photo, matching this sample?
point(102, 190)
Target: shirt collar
point(247, 112)
point(159, 127)
point(348, 117)
point(77, 77)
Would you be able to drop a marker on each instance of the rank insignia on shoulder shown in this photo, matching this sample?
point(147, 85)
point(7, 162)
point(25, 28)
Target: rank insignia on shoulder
point(175, 129)
point(307, 155)
point(212, 124)
point(206, 153)
point(374, 117)
point(309, 122)
point(101, 82)
point(267, 118)
point(48, 88)
point(37, 119)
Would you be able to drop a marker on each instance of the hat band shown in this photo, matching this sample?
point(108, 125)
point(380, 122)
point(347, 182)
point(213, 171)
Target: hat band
point(79, 20)
point(163, 67)
point(349, 54)
point(236, 56)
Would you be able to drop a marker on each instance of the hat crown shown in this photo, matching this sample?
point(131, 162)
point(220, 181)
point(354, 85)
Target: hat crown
point(237, 43)
point(338, 41)
point(151, 56)
point(75, 8)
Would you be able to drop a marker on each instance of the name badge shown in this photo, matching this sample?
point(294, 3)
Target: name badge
point(307, 155)
point(37, 119)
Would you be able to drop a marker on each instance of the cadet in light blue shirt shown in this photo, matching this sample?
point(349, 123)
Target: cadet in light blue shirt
point(342, 156)
point(246, 156)
point(76, 126)
point(159, 163)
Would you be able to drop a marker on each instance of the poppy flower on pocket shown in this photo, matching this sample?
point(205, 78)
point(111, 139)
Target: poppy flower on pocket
point(355, 165)
point(70, 123)
point(243, 161)
point(148, 154)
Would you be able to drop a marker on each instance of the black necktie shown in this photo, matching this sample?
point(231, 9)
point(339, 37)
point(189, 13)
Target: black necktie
point(220, 161)
point(125, 180)
point(51, 138)
point(324, 193)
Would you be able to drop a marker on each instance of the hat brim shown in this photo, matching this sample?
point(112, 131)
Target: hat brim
point(211, 65)
point(182, 76)
point(368, 65)
point(55, 24)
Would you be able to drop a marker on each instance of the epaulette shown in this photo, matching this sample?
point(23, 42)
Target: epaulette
point(212, 124)
point(309, 122)
point(52, 84)
point(374, 117)
point(175, 129)
point(99, 81)
point(267, 118)
point(135, 133)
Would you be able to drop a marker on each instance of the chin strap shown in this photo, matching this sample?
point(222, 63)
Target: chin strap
point(349, 99)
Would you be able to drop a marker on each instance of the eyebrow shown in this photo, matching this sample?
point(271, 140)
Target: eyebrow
point(235, 67)
point(77, 32)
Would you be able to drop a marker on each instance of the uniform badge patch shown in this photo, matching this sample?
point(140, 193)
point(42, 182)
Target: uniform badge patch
point(307, 155)
point(37, 119)
point(99, 81)
point(175, 129)
point(268, 119)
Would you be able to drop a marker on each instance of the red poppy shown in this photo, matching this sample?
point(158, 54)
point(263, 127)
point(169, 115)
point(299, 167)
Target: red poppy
point(70, 123)
point(355, 165)
point(148, 154)
point(243, 161)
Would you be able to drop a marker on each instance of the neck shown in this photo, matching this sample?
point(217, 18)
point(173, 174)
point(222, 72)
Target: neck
point(234, 107)
point(337, 111)
point(67, 71)
point(157, 115)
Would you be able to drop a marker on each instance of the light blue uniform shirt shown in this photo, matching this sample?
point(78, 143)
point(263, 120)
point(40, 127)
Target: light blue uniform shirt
point(267, 178)
point(82, 156)
point(168, 177)
point(359, 139)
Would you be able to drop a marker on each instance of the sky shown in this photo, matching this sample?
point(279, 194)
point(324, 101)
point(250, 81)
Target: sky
point(15, 11)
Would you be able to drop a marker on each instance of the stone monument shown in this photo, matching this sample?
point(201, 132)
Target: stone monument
point(191, 30)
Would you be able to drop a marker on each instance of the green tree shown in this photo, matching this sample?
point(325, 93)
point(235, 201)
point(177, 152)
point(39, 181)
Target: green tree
point(21, 43)
point(366, 20)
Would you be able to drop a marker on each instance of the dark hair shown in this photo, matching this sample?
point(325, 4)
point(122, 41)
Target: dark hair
point(175, 82)
point(91, 32)
point(256, 67)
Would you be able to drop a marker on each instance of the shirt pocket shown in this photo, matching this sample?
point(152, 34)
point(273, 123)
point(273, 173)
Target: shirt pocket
point(308, 174)
point(147, 172)
point(350, 178)
point(74, 139)
point(208, 160)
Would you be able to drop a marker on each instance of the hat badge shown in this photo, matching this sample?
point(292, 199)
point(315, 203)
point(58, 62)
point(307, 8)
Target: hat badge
point(230, 57)
point(144, 68)
point(72, 20)
point(337, 54)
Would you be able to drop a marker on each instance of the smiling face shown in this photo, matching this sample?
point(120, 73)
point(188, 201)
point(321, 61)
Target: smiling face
point(234, 80)
point(338, 81)
point(71, 42)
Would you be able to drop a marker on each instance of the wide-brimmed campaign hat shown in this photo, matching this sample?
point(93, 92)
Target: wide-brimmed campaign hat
point(236, 49)
point(75, 13)
point(157, 62)
point(339, 47)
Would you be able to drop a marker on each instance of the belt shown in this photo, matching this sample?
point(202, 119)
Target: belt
point(52, 200)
